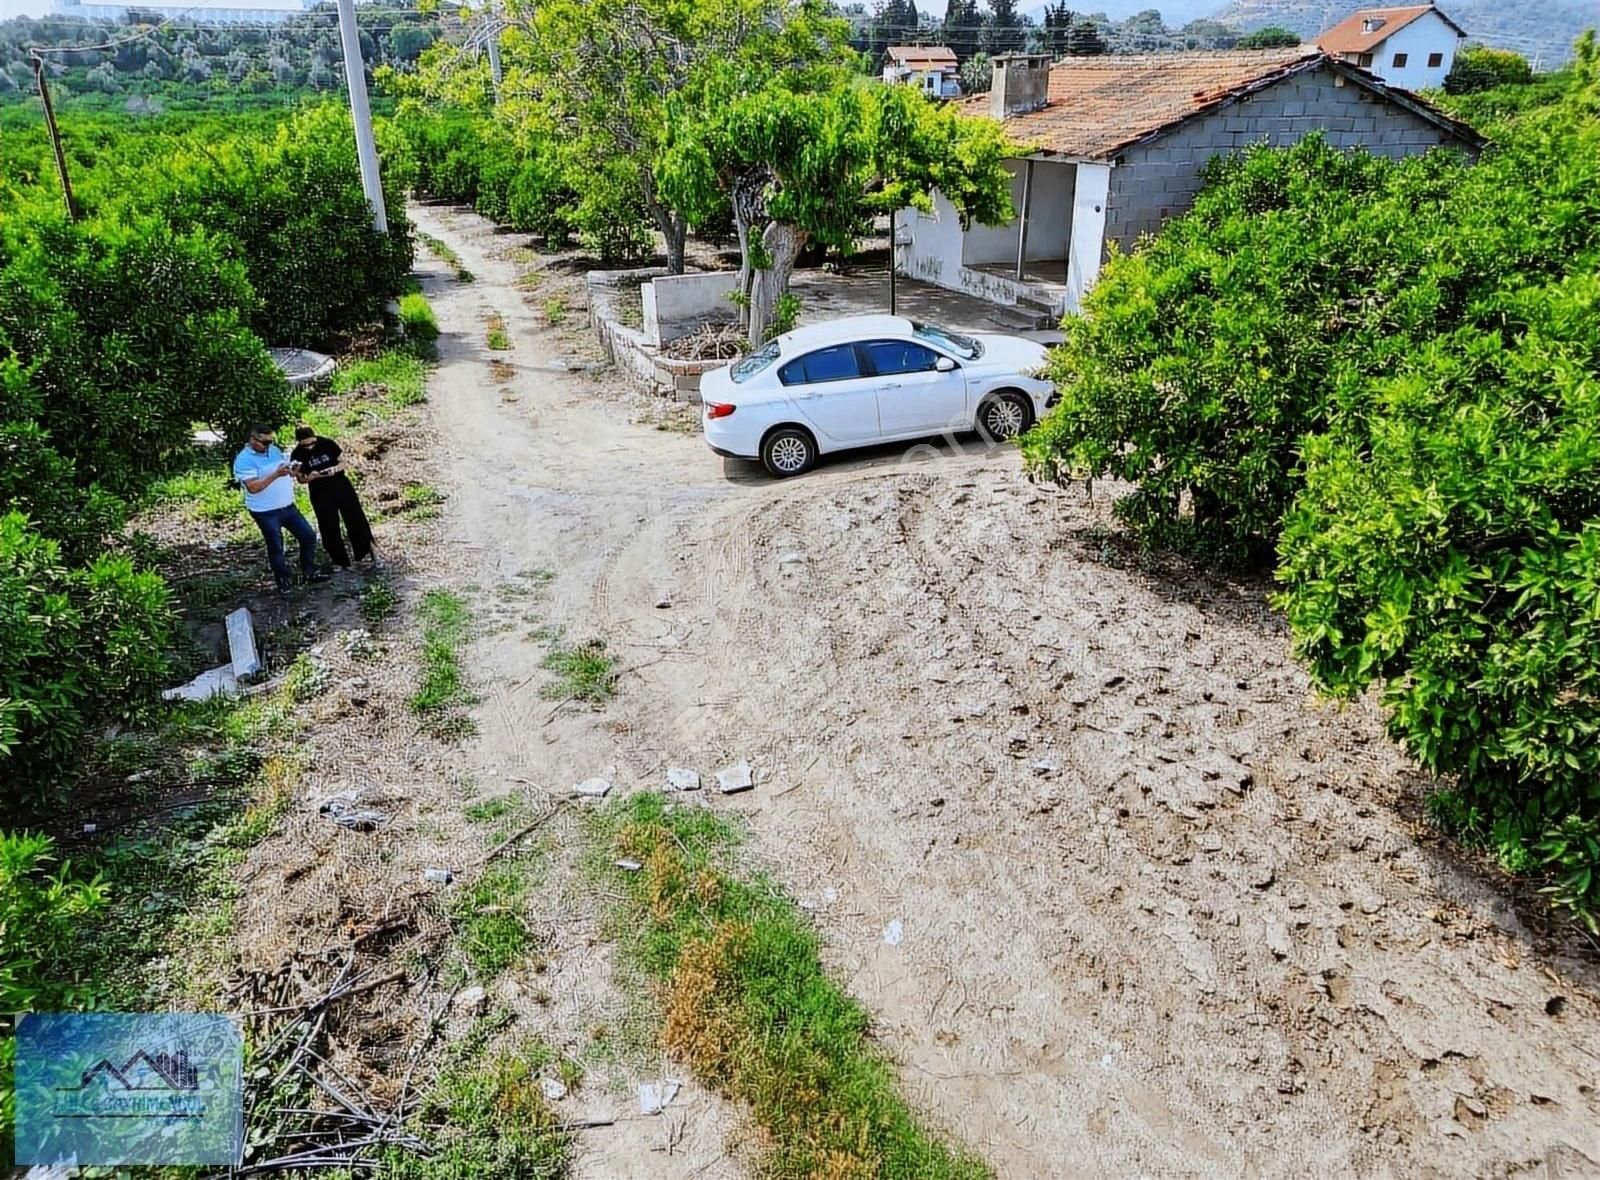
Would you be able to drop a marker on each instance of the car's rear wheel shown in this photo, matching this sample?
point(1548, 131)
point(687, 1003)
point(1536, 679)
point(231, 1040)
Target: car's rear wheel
point(788, 451)
point(1003, 416)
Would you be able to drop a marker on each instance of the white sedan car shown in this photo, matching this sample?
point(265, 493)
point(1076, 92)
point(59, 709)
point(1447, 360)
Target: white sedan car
point(869, 379)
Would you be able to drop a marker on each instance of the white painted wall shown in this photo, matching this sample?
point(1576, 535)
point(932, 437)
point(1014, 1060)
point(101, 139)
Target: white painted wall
point(677, 305)
point(1426, 35)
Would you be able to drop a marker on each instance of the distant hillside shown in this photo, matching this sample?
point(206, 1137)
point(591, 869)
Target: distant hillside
point(1543, 28)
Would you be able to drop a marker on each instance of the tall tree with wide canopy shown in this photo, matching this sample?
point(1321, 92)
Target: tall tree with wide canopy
point(811, 164)
point(602, 74)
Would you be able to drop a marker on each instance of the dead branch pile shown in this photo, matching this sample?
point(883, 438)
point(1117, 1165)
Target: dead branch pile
point(713, 342)
point(311, 1101)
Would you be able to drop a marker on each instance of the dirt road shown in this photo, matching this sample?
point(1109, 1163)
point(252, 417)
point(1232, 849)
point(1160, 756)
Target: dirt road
point(1160, 911)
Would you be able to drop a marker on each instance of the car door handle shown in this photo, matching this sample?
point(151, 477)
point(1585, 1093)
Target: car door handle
point(892, 385)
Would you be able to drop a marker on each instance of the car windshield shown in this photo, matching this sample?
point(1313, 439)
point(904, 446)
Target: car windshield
point(747, 368)
point(964, 347)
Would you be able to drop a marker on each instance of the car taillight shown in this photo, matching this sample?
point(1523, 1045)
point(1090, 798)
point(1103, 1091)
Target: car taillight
point(718, 409)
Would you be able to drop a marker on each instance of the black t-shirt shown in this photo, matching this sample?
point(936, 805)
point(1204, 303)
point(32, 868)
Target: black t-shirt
point(319, 456)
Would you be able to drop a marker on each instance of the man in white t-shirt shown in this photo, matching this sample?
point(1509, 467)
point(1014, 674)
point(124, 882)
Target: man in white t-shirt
point(268, 482)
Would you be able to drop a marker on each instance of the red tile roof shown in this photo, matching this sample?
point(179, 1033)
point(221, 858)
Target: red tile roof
point(922, 55)
point(1097, 106)
point(1350, 35)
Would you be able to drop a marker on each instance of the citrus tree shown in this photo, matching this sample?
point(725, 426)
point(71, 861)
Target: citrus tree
point(802, 163)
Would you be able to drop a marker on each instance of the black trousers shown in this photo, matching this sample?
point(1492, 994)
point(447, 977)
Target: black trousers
point(330, 504)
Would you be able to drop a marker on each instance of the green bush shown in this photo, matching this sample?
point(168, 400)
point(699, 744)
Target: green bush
point(292, 210)
point(77, 646)
point(1477, 67)
point(119, 335)
point(457, 156)
point(41, 917)
point(1203, 357)
point(41, 913)
point(1389, 373)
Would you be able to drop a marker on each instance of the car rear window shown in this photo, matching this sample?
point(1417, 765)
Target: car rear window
point(826, 364)
point(749, 366)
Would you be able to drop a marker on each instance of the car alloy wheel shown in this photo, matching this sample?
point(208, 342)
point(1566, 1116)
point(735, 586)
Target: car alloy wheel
point(788, 452)
point(1003, 418)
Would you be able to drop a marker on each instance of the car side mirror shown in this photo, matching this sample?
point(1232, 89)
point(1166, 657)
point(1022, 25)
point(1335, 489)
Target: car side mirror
point(944, 364)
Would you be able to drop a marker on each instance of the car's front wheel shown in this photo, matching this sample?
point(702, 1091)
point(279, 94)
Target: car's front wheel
point(1003, 416)
point(788, 451)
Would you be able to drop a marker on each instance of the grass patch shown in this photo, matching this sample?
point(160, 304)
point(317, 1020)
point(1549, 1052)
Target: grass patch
point(400, 372)
point(203, 488)
point(490, 932)
point(555, 309)
point(442, 690)
point(416, 317)
point(496, 330)
point(443, 252)
point(163, 942)
point(491, 1118)
point(419, 501)
point(584, 672)
point(748, 1005)
point(490, 809)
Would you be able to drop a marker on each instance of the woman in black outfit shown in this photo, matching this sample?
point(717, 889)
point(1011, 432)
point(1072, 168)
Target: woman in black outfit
point(332, 496)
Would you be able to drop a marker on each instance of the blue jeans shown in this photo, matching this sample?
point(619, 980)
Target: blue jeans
point(272, 525)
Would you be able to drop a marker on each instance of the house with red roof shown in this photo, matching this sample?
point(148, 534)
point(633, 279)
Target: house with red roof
point(932, 69)
point(1412, 46)
point(1114, 146)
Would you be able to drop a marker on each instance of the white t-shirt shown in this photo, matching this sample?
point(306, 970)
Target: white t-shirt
point(250, 465)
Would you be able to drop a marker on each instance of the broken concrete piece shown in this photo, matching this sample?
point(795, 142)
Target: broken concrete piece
point(216, 682)
point(1045, 767)
point(438, 876)
point(472, 999)
point(791, 559)
point(738, 777)
point(554, 1090)
point(242, 644)
point(654, 1096)
point(894, 933)
point(629, 865)
point(664, 602)
point(593, 788)
point(681, 778)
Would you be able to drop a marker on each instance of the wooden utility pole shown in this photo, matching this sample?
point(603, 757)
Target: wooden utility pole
point(55, 135)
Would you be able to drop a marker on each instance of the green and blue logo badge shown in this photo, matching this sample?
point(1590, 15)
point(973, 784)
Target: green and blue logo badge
point(114, 1088)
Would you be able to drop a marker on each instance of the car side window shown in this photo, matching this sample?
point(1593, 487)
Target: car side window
point(888, 357)
point(826, 364)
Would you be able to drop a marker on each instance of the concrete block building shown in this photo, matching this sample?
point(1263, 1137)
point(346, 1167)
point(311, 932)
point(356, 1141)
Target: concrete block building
point(1118, 145)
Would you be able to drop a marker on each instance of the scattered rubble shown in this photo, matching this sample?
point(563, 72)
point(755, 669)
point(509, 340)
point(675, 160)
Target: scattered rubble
point(681, 778)
point(738, 777)
point(654, 1096)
